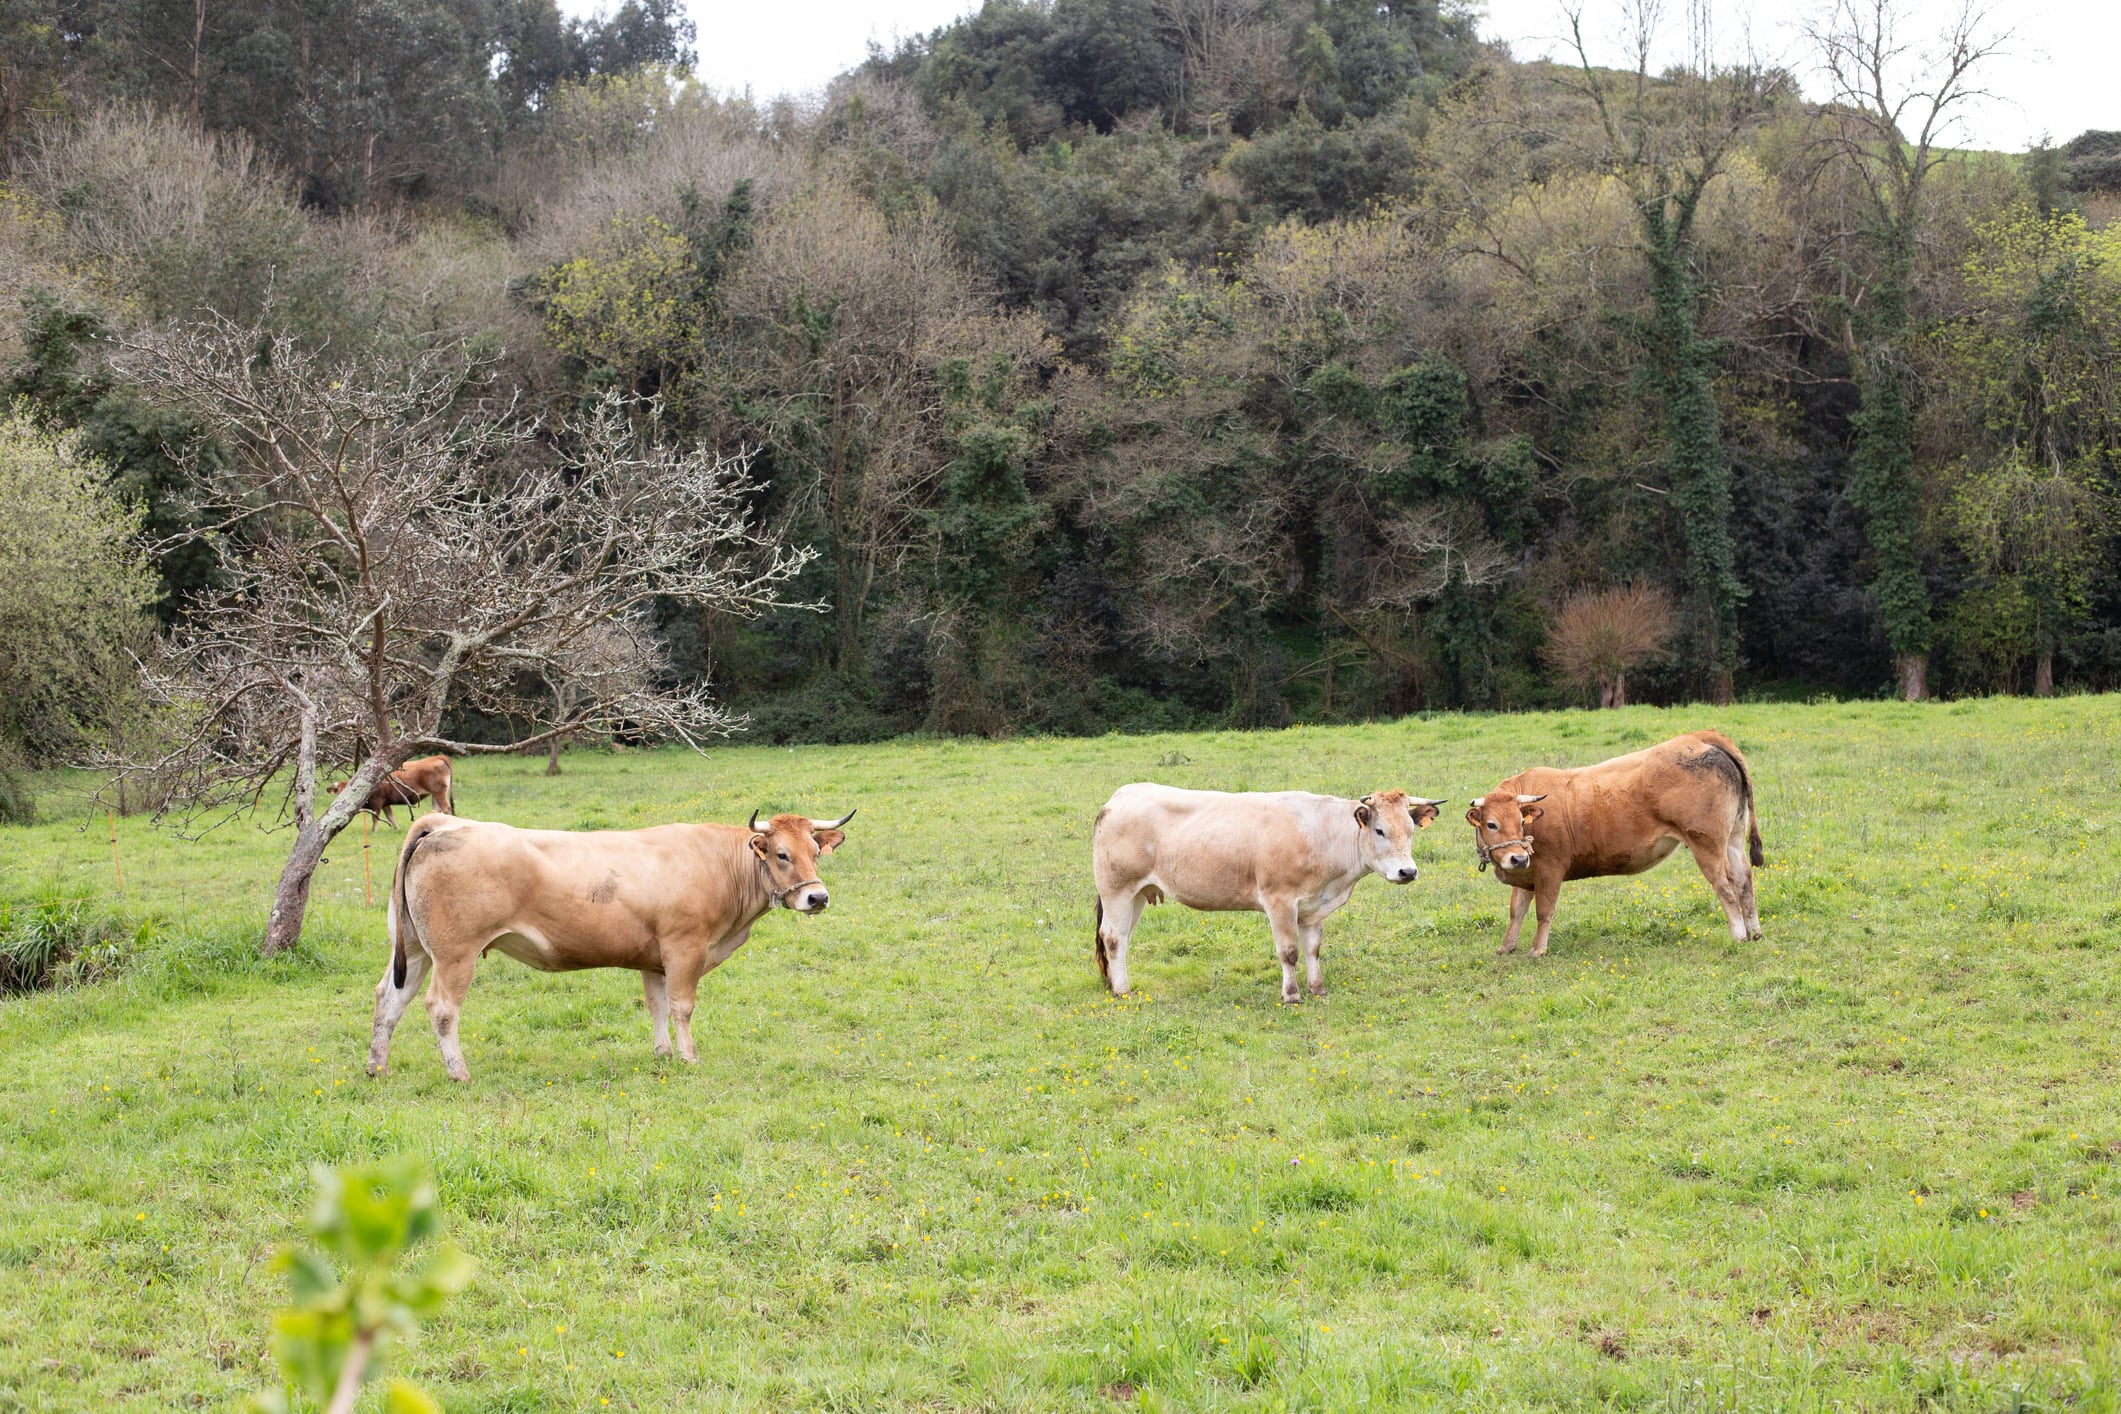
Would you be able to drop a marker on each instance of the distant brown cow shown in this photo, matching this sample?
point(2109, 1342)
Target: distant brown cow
point(1624, 816)
point(410, 784)
point(671, 902)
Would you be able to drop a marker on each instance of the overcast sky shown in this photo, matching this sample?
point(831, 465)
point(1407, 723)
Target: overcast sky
point(2056, 80)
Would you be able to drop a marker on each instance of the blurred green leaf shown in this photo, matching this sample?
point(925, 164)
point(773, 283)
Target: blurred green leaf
point(367, 1216)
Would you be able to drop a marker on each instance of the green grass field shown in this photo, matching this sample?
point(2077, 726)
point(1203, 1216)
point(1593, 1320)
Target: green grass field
point(925, 1163)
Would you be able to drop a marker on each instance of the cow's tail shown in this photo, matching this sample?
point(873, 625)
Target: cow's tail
point(1745, 787)
point(402, 926)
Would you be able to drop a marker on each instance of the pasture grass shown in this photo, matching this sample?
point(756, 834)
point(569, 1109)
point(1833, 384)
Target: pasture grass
point(1870, 1162)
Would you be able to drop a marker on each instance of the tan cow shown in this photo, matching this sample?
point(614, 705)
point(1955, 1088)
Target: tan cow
point(1288, 854)
point(672, 903)
point(1621, 817)
point(411, 783)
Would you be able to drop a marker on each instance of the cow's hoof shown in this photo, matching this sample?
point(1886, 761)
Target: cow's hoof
point(375, 1072)
point(462, 1077)
point(662, 1050)
point(1292, 999)
point(1319, 992)
point(1506, 949)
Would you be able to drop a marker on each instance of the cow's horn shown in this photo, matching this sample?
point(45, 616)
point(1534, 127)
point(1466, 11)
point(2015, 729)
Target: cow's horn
point(1528, 799)
point(1421, 800)
point(1477, 801)
point(832, 824)
point(754, 819)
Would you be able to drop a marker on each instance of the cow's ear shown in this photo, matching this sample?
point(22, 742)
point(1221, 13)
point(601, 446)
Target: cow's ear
point(1473, 817)
point(1532, 812)
point(758, 846)
point(1362, 815)
point(1423, 814)
point(829, 840)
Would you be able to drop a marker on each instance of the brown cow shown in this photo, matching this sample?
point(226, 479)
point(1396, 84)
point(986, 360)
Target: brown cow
point(410, 784)
point(1291, 855)
point(1621, 817)
point(671, 902)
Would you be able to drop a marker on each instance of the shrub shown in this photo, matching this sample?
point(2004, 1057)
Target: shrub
point(77, 586)
point(57, 942)
point(1601, 633)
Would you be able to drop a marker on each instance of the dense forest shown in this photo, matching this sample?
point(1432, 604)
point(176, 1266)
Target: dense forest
point(1125, 363)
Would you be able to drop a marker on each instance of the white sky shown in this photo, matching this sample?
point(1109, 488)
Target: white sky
point(2056, 79)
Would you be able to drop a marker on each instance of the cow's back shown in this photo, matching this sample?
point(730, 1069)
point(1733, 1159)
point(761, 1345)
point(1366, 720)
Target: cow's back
point(1207, 849)
point(1605, 818)
point(562, 899)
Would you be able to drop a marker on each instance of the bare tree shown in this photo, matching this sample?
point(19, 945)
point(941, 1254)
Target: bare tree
point(1230, 54)
point(1892, 110)
point(395, 551)
point(1601, 633)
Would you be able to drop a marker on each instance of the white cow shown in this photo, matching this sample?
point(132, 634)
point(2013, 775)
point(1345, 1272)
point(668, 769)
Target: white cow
point(1291, 855)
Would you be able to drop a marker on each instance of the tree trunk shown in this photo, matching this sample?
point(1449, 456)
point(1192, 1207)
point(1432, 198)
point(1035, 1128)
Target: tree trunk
point(313, 834)
point(290, 901)
point(1620, 689)
point(2044, 674)
point(1913, 670)
point(1696, 462)
point(198, 39)
point(552, 756)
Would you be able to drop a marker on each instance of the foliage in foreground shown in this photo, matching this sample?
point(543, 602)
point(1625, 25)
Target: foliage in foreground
point(351, 1300)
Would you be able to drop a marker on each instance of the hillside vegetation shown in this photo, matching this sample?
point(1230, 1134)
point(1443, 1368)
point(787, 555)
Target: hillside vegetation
point(1132, 364)
point(1867, 1163)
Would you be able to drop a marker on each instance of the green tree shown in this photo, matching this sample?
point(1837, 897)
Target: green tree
point(2032, 406)
point(1892, 110)
point(78, 589)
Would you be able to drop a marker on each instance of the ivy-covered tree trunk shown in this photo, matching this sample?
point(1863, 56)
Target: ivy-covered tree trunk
point(1684, 367)
point(1882, 481)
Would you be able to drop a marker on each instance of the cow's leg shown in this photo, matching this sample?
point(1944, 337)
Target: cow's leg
point(1288, 944)
point(445, 1002)
point(684, 990)
point(1741, 865)
point(1114, 931)
point(391, 1001)
point(684, 964)
point(1546, 893)
point(1520, 900)
point(657, 989)
point(1715, 865)
point(1313, 935)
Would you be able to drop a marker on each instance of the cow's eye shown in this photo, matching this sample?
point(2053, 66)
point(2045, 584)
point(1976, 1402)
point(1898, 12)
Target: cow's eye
point(1380, 834)
point(784, 856)
point(1493, 826)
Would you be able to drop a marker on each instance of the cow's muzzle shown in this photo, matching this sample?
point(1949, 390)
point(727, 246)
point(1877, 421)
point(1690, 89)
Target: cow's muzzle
point(809, 898)
point(1402, 873)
